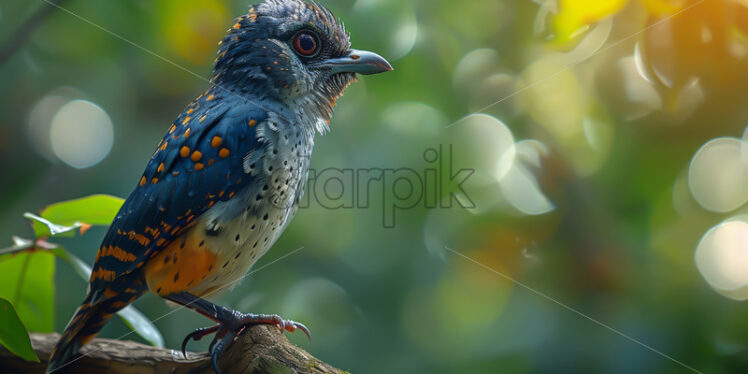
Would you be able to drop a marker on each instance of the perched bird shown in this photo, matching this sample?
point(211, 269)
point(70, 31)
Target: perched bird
point(228, 175)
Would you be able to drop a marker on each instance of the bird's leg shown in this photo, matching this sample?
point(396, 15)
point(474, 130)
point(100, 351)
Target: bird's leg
point(231, 323)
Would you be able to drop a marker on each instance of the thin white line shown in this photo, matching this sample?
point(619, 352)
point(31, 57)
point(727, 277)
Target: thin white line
point(152, 53)
point(616, 43)
point(180, 307)
point(549, 298)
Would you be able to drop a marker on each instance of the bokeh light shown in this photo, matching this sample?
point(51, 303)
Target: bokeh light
point(642, 96)
point(722, 258)
point(519, 186)
point(81, 134)
point(404, 38)
point(414, 119)
point(718, 176)
point(485, 144)
point(596, 130)
point(40, 119)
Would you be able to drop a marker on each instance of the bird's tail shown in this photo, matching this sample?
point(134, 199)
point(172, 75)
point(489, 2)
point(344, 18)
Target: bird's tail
point(85, 324)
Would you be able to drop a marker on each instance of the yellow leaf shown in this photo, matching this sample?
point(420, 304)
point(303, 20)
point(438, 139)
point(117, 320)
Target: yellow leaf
point(192, 28)
point(574, 15)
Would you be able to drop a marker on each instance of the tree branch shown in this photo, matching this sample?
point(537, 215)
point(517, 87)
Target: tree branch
point(262, 349)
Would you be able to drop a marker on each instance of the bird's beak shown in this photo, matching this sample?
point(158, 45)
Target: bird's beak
point(362, 62)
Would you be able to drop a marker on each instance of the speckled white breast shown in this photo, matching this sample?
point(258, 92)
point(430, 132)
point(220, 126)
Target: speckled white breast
point(241, 230)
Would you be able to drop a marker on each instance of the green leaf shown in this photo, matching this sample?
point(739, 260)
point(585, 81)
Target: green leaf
point(141, 325)
point(13, 334)
point(52, 228)
point(80, 266)
point(97, 210)
point(27, 280)
point(131, 316)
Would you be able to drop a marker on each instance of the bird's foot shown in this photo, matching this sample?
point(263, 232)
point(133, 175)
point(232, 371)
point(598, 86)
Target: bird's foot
point(235, 324)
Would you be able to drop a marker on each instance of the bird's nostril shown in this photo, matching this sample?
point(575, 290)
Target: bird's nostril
point(355, 57)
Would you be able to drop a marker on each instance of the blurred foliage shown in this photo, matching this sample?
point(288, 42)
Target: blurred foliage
point(13, 334)
point(95, 210)
point(28, 280)
point(27, 268)
point(608, 140)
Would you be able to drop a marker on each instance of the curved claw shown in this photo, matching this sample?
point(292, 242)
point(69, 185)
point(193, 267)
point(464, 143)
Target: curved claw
point(231, 326)
point(212, 344)
point(289, 325)
point(197, 335)
point(184, 343)
point(292, 326)
point(218, 350)
point(214, 362)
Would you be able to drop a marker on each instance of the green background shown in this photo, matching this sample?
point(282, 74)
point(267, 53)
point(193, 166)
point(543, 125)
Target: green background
point(618, 247)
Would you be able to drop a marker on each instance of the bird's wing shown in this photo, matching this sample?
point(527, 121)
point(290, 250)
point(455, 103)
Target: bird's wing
point(197, 164)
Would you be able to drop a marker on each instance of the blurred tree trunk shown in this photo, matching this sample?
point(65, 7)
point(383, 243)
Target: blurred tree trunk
point(261, 350)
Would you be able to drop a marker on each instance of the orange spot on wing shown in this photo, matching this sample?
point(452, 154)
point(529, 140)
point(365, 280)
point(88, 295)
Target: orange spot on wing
point(140, 238)
point(196, 156)
point(118, 253)
point(187, 133)
point(203, 118)
point(109, 293)
point(119, 304)
point(185, 151)
point(199, 166)
point(252, 15)
point(210, 97)
point(216, 142)
point(184, 122)
point(142, 181)
point(154, 180)
point(223, 153)
point(106, 275)
point(160, 167)
point(252, 122)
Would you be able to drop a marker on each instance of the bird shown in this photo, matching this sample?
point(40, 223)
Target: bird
point(228, 175)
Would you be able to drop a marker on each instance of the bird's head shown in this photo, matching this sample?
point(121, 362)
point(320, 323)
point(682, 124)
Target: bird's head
point(294, 51)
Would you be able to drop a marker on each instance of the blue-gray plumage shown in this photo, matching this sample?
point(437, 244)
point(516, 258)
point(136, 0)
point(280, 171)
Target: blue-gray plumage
point(228, 176)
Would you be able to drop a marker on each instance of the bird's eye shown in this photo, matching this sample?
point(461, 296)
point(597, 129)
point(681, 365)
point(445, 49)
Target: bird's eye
point(305, 43)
